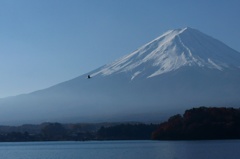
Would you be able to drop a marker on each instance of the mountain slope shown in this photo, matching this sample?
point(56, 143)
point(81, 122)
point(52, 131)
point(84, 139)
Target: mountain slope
point(178, 70)
point(172, 50)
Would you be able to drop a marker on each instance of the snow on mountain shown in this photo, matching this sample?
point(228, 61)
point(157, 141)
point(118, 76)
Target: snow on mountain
point(173, 50)
point(180, 69)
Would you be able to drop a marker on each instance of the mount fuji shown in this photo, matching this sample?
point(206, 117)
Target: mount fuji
point(180, 69)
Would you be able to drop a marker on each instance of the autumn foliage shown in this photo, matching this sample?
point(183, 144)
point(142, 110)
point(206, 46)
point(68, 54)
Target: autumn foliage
point(201, 124)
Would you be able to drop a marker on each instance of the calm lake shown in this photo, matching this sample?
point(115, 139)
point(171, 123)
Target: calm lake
point(226, 149)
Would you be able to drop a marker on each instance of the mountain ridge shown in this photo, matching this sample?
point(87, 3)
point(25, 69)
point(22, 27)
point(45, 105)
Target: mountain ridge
point(164, 76)
point(170, 52)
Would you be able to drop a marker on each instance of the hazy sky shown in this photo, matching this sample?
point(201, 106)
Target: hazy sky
point(44, 42)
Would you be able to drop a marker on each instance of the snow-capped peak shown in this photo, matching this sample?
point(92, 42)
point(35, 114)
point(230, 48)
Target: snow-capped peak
point(173, 50)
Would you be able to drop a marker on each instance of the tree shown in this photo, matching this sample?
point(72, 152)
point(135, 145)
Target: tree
point(54, 131)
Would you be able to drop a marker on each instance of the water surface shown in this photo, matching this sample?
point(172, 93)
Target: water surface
point(225, 149)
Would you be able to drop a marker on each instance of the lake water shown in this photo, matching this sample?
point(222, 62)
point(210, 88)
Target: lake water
point(226, 149)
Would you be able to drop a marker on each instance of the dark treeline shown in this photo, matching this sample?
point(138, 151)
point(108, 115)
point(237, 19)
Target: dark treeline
point(127, 132)
point(195, 124)
point(201, 124)
point(49, 132)
point(77, 132)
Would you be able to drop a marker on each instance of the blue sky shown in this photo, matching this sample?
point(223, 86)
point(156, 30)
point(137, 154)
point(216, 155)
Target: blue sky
point(45, 42)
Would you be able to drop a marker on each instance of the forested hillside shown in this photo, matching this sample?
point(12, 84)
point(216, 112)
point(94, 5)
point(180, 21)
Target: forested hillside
point(201, 124)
